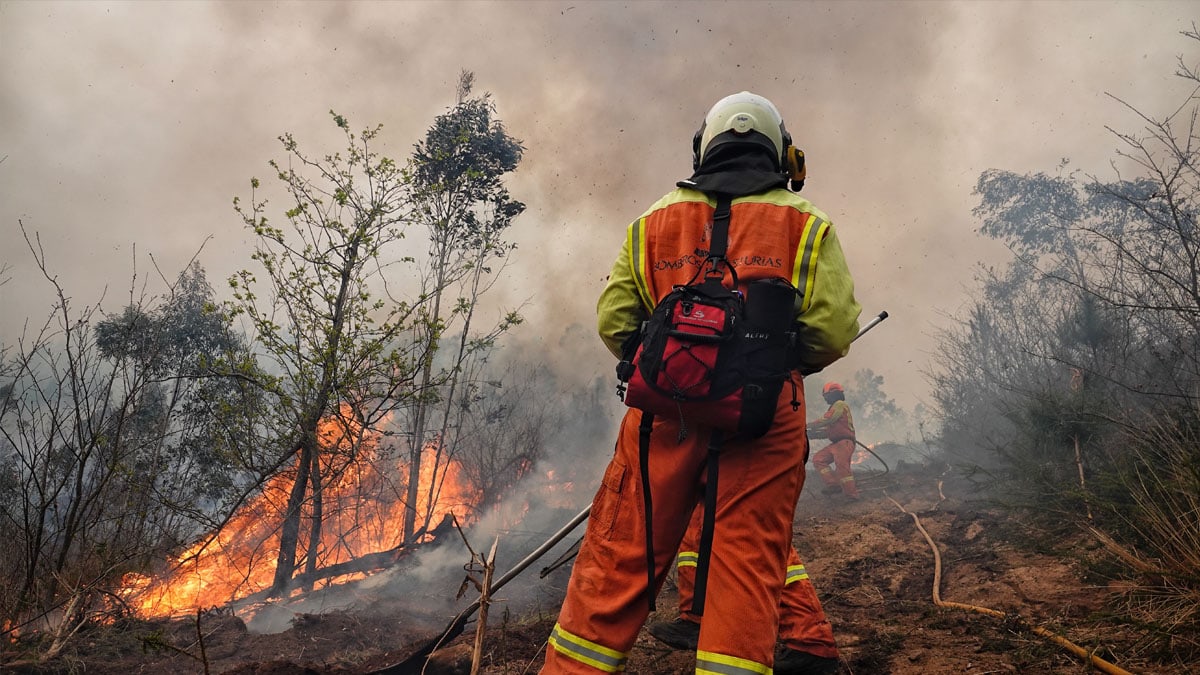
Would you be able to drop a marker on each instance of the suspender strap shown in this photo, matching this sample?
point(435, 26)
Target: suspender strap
point(708, 523)
point(644, 465)
point(720, 228)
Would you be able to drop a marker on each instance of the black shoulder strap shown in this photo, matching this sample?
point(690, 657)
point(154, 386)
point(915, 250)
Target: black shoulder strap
point(719, 243)
point(720, 228)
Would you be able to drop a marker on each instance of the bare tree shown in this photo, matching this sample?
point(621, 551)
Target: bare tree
point(1074, 379)
point(101, 472)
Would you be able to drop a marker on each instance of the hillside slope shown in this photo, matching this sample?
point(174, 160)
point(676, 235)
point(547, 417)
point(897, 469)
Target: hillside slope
point(873, 569)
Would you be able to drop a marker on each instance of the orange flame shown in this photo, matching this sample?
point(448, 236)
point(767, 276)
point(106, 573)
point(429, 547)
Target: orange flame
point(362, 512)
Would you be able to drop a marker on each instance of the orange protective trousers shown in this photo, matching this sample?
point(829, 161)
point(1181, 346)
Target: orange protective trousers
point(803, 625)
point(758, 483)
point(837, 453)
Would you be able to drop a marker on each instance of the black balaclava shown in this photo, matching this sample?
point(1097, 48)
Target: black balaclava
point(736, 169)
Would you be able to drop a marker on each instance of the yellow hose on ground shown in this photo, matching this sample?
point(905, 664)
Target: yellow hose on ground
point(1097, 662)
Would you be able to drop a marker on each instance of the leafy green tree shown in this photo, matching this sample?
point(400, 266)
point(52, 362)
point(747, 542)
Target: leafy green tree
point(344, 334)
point(459, 197)
point(181, 349)
point(327, 331)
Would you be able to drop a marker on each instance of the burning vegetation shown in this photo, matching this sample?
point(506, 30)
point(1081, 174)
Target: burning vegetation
point(362, 516)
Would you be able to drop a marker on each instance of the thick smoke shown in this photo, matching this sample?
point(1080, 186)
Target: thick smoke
point(127, 128)
point(128, 124)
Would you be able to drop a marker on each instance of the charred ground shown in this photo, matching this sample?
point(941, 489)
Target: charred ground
point(872, 567)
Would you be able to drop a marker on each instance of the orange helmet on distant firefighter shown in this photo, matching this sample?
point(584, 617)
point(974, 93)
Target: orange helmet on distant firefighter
point(832, 386)
point(833, 392)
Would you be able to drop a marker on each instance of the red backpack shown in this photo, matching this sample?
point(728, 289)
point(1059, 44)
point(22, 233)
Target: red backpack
point(709, 355)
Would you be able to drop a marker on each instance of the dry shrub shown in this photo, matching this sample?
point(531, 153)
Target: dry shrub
point(1159, 533)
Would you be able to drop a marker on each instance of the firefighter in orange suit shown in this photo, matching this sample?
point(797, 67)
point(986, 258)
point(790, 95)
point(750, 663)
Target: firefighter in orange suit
point(744, 151)
point(837, 425)
point(807, 636)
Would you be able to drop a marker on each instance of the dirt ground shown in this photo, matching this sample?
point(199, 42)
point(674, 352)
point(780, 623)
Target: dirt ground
point(871, 565)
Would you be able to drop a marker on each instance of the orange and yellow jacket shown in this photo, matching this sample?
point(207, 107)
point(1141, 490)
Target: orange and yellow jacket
point(776, 233)
point(836, 424)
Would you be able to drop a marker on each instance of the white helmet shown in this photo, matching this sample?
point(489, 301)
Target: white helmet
point(742, 113)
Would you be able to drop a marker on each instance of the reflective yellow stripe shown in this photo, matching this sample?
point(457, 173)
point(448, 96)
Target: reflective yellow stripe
point(848, 479)
point(585, 651)
point(720, 664)
point(826, 471)
point(637, 261)
point(803, 271)
point(795, 573)
point(687, 559)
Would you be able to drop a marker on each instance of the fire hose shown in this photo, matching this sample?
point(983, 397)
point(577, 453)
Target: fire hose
point(1095, 661)
point(413, 664)
point(866, 447)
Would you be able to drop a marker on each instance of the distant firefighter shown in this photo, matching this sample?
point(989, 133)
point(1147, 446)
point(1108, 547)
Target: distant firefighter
point(837, 425)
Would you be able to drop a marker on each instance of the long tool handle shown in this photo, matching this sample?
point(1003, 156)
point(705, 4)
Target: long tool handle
point(871, 324)
point(415, 661)
point(528, 560)
point(541, 550)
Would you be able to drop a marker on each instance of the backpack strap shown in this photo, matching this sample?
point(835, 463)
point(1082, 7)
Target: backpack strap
point(644, 465)
point(716, 254)
point(708, 524)
point(708, 520)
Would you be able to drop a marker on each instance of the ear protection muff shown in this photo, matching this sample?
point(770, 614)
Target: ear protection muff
point(791, 165)
point(696, 148)
point(794, 167)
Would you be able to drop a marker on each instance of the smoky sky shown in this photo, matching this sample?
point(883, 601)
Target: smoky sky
point(126, 129)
